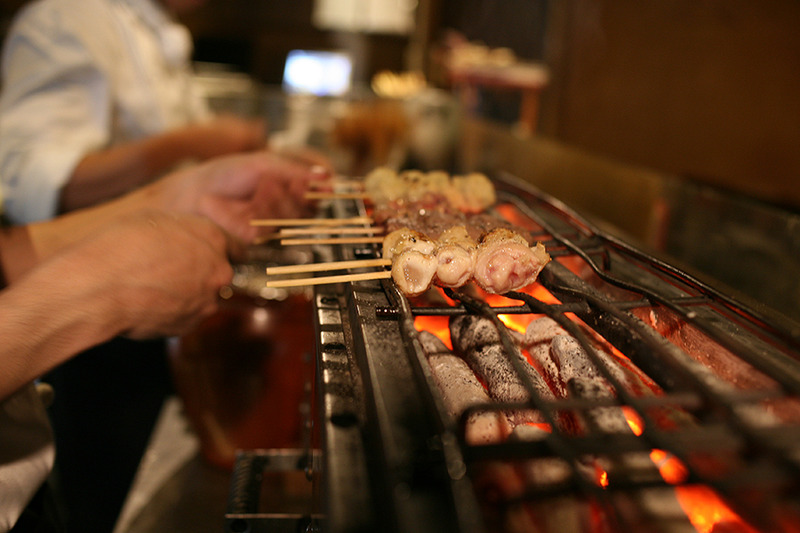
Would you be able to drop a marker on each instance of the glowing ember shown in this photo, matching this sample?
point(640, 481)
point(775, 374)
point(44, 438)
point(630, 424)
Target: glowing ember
point(438, 325)
point(671, 469)
point(705, 510)
point(602, 478)
point(703, 507)
point(512, 214)
point(633, 420)
point(519, 322)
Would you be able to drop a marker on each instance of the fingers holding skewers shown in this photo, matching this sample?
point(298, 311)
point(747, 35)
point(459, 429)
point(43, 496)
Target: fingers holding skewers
point(235, 189)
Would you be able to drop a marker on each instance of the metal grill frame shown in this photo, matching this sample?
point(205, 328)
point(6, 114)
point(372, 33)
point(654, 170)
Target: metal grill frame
point(374, 379)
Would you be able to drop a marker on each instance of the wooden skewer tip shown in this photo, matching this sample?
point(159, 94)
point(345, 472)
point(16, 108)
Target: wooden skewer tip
point(325, 280)
point(321, 267)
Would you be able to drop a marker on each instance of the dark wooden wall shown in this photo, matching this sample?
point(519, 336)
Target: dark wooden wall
point(705, 90)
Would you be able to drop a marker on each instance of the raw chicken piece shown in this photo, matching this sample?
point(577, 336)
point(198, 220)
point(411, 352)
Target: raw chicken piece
point(456, 257)
point(505, 262)
point(413, 271)
point(404, 239)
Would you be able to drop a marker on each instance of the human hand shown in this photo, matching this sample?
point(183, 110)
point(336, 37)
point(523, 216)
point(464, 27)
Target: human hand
point(236, 189)
point(156, 274)
point(226, 134)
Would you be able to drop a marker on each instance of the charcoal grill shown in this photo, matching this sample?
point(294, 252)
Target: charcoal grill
point(389, 458)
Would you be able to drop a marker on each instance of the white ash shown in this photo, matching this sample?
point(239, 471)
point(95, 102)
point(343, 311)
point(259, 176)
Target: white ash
point(461, 390)
point(565, 514)
point(542, 355)
point(469, 332)
point(605, 419)
point(491, 364)
point(541, 331)
point(572, 359)
point(477, 341)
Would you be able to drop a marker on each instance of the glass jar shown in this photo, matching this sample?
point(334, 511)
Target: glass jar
point(245, 374)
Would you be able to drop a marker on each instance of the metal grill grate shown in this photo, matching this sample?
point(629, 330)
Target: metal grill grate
point(393, 459)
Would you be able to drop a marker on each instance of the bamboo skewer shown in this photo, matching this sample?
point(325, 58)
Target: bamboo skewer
point(322, 195)
point(329, 230)
point(288, 232)
point(309, 221)
point(320, 267)
point(299, 282)
point(332, 240)
point(353, 184)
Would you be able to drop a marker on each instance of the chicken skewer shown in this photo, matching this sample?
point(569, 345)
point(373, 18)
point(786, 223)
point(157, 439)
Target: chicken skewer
point(384, 187)
point(500, 262)
point(455, 257)
point(413, 260)
point(470, 193)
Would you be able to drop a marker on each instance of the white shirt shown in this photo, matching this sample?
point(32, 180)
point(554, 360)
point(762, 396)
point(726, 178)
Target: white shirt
point(80, 75)
point(27, 452)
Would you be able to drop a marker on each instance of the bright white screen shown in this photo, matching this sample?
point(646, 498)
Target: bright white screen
point(317, 72)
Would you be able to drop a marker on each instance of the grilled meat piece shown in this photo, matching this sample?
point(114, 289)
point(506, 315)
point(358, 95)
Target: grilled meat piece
point(433, 219)
point(413, 271)
point(455, 255)
point(403, 239)
point(471, 193)
point(505, 262)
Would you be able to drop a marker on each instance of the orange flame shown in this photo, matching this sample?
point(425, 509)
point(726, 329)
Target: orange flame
point(438, 325)
point(516, 322)
point(703, 507)
point(510, 213)
point(602, 477)
point(705, 510)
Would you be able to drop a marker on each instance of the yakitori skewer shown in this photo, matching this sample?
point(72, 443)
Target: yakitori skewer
point(337, 183)
point(331, 240)
point(470, 193)
point(500, 261)
point(302, 282)
point(321, 267)
point(323, 195)
point(333, 230)
point(310, 221)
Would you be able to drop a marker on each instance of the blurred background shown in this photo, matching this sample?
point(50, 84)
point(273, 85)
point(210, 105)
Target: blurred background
point(675, 124)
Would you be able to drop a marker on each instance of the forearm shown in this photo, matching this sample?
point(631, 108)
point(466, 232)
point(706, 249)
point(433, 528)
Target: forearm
point(110, 173)
point(23, 247)
point(17, 255)
point(48, 317)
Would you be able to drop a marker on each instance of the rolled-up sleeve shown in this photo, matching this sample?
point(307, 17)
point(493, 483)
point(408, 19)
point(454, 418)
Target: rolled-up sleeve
point(54, 109)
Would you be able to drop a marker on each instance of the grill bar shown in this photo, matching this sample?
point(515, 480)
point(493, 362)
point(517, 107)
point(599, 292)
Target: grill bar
point(695, 304)
point(393, 460)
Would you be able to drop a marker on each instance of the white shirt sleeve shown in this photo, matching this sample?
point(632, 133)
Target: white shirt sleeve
point(55, 109)
point(27, 452)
